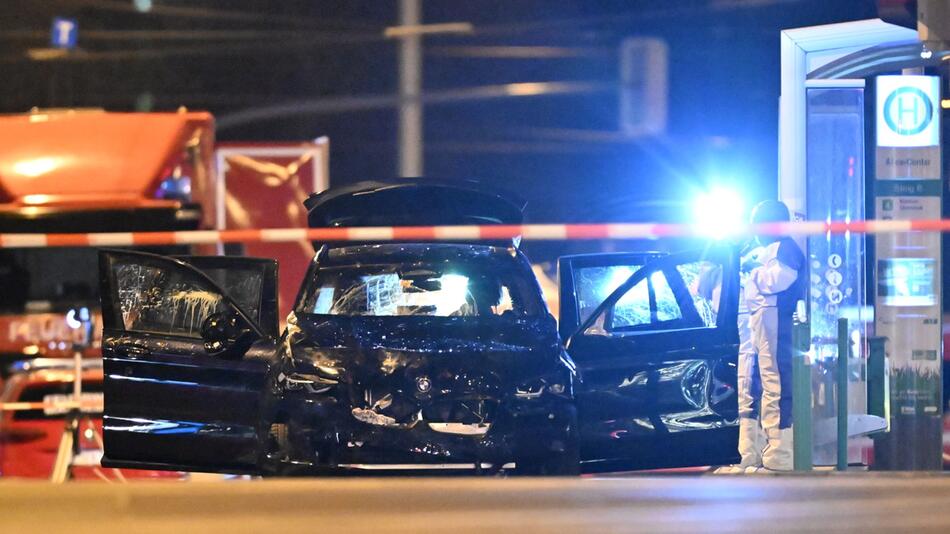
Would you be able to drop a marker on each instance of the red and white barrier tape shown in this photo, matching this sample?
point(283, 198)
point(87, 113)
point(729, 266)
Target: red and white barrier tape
point(457, 233)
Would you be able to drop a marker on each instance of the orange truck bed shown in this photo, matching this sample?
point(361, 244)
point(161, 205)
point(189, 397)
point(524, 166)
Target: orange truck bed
point(94, 160)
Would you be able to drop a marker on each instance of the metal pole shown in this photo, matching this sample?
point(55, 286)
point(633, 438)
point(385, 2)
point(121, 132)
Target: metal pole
point(876, 377)
point(77, 378)
point(410, 88)
point(842, 376)
point(801, 399)
point(69, 441)
point(64, 453)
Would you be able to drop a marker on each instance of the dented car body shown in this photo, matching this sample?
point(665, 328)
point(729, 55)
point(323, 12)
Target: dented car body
point(418, 356)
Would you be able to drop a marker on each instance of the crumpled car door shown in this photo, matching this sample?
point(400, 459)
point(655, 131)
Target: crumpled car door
point(186, 362)
point(657, 361)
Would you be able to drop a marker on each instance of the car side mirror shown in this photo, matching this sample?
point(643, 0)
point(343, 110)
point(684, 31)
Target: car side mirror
point(226, 333)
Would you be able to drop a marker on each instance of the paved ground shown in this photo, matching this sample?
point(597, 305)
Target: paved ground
point(767, 504)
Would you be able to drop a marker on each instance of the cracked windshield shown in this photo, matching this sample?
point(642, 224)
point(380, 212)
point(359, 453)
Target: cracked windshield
point(424, 291)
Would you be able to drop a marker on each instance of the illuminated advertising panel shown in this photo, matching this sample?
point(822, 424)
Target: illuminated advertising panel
point(906, 282)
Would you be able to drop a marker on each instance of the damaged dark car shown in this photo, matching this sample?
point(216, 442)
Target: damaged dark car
point(419, 356)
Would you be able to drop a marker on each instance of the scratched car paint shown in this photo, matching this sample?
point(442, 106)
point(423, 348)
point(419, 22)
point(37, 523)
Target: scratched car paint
point(415, 356)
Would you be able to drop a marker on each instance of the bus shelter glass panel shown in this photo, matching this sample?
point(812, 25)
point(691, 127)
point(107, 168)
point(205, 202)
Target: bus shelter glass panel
point(835, 191)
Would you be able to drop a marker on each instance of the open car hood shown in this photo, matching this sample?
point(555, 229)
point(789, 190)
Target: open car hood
point(412, 202)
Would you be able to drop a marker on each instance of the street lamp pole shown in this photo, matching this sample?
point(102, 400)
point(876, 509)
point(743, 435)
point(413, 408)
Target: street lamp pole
point(410, 88)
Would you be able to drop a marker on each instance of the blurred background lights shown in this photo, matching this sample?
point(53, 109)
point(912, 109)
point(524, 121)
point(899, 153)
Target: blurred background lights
point(142, 6)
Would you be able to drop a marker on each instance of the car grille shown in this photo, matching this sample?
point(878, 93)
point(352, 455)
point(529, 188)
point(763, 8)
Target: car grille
point(466, 411)
point(400, 409)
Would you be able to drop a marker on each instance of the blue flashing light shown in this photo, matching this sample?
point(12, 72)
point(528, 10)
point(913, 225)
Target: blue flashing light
point(175, 188)
point(719, 213)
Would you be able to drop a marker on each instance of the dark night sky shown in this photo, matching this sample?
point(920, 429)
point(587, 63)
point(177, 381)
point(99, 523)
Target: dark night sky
point(558, 152)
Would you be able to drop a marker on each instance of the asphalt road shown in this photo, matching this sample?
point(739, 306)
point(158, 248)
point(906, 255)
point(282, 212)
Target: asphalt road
point(749, 503)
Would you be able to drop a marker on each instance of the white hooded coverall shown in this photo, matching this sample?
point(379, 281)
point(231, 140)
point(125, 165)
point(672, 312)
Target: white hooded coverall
point(771, 293)
point(751, 437)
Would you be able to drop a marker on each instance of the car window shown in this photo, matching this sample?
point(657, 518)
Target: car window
point(633, 308)
point(242, 285)
point(638, 307)
point(431, 292)
point(594, 284)
point(674, 297)
point(162, 300)
point(703, 280)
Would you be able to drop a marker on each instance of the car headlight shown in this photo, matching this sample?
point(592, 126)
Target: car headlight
point(329, 371)
point(552, 385)
point(311, 383)
point(530, 391)
point(314, 361)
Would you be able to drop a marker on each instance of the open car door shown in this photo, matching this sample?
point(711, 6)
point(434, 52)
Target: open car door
point(586, 280)
point(657, 364)
point(187, 345)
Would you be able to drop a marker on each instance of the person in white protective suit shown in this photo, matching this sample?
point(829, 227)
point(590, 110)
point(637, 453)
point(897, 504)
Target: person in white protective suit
point(772, 290)
point(751, 436)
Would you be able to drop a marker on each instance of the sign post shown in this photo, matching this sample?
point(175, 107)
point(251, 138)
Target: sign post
point(907, 303)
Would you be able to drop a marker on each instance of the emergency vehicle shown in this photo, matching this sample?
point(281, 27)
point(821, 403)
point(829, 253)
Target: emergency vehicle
point(69, 171)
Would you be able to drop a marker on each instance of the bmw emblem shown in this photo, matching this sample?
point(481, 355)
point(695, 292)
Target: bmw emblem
point(423, 384)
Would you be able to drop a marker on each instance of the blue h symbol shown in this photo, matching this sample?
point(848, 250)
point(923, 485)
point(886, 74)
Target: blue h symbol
point(903, 109)
point(921, 111)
